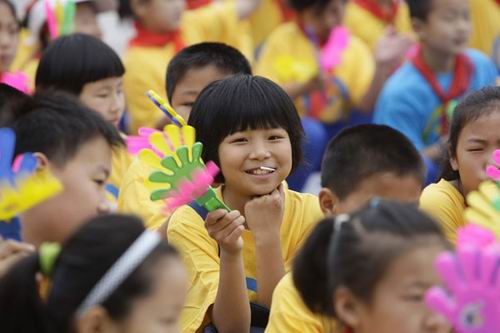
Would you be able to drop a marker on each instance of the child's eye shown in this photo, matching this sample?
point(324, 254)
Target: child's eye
point(100, 182)
point(239, 140)
point(475, 149)
point(275, 137)
point(413, 297)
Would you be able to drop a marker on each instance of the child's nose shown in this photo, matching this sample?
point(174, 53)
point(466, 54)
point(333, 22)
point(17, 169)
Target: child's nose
point(437, 324)
point(260, 151)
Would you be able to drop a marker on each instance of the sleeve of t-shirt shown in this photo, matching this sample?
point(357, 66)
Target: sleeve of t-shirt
point(186, 231)
point(399, 110)
point(289, 313)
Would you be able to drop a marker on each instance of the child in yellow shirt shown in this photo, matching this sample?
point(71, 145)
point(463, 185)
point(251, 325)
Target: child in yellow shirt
point(250, 128)
point(327, 97)
point(370, 270)
point(189, 72)
point(474, 136)
point(395, 172)
point(485, 36)
point(368, 19)
point(163, 29)
point(86, 67)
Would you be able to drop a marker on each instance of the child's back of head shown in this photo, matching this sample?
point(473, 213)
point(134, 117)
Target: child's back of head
point(371, 160)
point(75, 144)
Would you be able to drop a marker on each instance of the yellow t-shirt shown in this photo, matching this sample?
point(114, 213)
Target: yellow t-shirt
point(146, 67)
point(288, 56)
point(485, 17)
point(135, 196)
point(447, 205)
point(290, 314)
point(186, 231)
point(265, 19)
point(370, 28)
point(120, 162)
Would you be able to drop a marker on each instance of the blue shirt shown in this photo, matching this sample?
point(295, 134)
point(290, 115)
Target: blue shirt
point(408, 103)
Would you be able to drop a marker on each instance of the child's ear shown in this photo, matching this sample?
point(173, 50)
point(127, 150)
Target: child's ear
point(42, 161)
point(94, 320)
point(347, 307)
point(453, 160)
point(327, 201)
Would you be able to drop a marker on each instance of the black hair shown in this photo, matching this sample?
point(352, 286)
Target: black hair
point(83, 261)
point(11, 7)
point(419, 9)
point(301, 5)
point(362, 151)
point(10, 98)
point(239, 103)
point(57, 125)
point(225, 58)
point(475, 105)
point(72, 61)
point(357, 253)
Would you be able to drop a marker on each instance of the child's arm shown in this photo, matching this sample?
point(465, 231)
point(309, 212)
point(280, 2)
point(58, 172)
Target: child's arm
point(264, 216)
point(388, 53)
point(231, 310)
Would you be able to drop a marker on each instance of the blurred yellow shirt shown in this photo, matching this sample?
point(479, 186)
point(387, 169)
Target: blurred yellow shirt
point(288, 56)
point(187, 232)
point(290, 314)
point(446, 204)
point(485, 17)
point(370, 28)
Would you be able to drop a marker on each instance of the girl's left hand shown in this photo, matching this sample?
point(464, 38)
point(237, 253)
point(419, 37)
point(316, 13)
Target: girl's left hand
point(264, 214)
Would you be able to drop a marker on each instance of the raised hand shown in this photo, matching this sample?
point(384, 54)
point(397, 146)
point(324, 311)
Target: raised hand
point(471, 301)
point(264, 214)
point(226, 228)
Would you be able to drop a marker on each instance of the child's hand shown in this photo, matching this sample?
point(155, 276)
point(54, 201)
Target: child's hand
point(391, 48)
point(226, 228)
point(11, 251)
point(264, 214)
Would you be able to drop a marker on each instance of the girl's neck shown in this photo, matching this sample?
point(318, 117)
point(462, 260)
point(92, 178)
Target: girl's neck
point(234, 200)
point(438, 62)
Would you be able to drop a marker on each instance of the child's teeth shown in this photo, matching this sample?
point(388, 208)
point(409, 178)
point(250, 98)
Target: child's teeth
point(266, 168)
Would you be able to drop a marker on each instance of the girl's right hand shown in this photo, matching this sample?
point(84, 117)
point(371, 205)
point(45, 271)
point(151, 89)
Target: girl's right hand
point(226, 228)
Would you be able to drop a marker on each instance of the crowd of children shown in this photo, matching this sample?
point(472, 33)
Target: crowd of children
point(393, 104)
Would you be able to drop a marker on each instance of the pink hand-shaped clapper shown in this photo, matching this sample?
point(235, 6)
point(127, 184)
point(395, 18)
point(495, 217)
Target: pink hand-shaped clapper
point(493, 171)
point(471, 301)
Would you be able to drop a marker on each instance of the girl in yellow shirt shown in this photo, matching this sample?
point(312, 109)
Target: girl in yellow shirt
point(250, 128)
point(86, 67)
point(371, 270)
point(474, 136)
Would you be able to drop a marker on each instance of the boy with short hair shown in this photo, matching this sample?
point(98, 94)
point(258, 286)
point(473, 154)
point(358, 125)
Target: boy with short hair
point(189, 72)
point(420, 97)
point(360, 163)
point(75, 143)
point(163, 29)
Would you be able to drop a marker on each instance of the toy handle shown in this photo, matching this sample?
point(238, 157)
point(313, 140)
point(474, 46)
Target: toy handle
point(210, 201)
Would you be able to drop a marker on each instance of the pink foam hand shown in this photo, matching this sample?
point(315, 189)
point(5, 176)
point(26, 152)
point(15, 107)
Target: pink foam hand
point(493, 171)
point(471, 301)
point(476, 236)
point(189, 190)
point(135, 143)
point(331, 53)
point(16, 80)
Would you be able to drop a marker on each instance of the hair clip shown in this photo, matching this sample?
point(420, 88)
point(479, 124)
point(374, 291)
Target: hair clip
point(48, 254)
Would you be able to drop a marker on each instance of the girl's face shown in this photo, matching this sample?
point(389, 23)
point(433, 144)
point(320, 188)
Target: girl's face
point(476, 144)
point(159, 312)
point(163, 15)
point(398, 300)
point(9, 31)
point(106, 97)
point(255, 162)
point(324, 20)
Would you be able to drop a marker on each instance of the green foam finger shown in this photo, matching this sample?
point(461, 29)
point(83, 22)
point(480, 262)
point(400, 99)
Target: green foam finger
point(160, 177)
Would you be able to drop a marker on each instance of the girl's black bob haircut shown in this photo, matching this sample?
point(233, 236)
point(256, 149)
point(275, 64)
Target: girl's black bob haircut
point(72, 61)
point(240, 103)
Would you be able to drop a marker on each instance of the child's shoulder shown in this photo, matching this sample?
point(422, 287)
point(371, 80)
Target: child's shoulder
point(443, 193)
point(406, 80)
point(284, 30)
point(302, 207)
